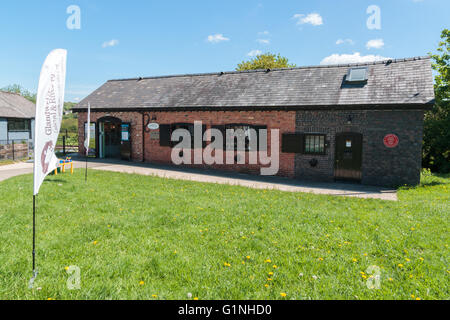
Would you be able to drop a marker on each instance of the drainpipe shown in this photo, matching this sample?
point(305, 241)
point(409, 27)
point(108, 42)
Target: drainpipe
point(143, 137)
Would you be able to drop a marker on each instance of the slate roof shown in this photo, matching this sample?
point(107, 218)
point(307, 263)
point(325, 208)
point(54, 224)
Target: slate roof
point(15, 106)
point(401, 82)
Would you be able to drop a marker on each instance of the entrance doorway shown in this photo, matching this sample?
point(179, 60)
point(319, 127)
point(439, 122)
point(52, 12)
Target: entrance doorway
point(109, 136)
point(348, 159)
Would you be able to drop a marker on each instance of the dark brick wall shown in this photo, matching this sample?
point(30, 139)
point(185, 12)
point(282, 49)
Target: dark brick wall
point(381, 166)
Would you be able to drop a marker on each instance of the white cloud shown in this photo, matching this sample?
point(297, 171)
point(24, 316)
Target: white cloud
point(111, 43)
point(342, 41)
point(351, 58)
point(263, 41)
point(216, 38)
point(254, 53)
point(264, 33)
point(375, 44)
point(314, 19)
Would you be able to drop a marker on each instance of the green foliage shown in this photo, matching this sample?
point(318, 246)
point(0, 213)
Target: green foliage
point(176, 236)
point(69, 105)
point(437, 121)
point(18, 89)
point(265, 61)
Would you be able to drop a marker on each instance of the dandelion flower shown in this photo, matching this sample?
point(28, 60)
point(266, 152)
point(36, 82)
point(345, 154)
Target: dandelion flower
point(355, 260)
point(266, 285)
point(269, 279)
point(154, 296)
point(270, 273)
point(400, 265)
point(283, 294)
point(195, 298)
point(248, 257)
point(66, 268)
point(141, 283)
point(275, 266)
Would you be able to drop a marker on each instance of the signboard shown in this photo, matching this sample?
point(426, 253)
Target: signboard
point(153, 126)
point(125, 132)
point(154, 135)
point(348, 143)
point(391, 141)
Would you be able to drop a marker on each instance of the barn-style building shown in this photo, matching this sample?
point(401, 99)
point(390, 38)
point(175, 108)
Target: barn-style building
point(355, 122)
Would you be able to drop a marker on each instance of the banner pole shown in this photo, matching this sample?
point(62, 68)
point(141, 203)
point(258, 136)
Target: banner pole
point(35, 272)
point(34, 233)
point(85, 175)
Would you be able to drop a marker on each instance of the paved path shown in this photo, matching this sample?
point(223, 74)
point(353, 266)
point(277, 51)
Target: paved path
point(210, 176)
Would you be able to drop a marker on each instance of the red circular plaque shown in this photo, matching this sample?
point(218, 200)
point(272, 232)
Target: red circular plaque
point(391, 141)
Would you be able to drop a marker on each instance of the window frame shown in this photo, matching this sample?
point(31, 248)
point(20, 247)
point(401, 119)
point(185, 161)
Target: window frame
point(349, 78)
point(305, 138)
point(27, 122)
point(224, 127)
point(182, 125)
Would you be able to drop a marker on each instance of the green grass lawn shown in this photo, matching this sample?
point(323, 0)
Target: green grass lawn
point(137, 237)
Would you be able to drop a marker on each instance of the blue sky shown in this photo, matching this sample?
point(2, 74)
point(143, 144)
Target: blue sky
point(121, 39)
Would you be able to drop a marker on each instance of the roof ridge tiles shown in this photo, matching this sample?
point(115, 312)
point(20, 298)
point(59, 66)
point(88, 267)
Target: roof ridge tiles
point(221, 73)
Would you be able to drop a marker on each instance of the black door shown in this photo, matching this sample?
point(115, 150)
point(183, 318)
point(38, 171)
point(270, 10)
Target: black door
point(348, 160)
point(112, 139)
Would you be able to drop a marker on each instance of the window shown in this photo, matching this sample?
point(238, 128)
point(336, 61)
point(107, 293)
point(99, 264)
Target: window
point(314, 144)
point(19, 125)
point(166, 130)
point(357, 75)
point(249, 134)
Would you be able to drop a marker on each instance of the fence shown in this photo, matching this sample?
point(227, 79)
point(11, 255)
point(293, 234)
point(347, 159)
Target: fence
point(16, 150)
point(67, 142)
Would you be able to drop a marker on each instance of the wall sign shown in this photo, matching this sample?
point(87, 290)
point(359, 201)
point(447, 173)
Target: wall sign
point(154, 135)
point(391, 141)
point(153, 126)
point(125, 132)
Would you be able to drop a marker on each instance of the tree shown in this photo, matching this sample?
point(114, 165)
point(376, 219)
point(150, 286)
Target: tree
point(18, 89)
point(265, 61)
point(437, 121)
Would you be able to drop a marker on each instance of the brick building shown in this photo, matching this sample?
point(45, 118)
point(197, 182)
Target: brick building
point(358, 122)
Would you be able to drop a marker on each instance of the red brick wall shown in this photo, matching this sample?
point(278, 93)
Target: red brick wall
point(282, 120)
point(135, 118)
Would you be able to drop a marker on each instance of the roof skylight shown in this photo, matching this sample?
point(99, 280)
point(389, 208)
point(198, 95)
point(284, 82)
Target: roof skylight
point(357, 75)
